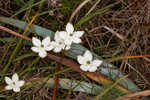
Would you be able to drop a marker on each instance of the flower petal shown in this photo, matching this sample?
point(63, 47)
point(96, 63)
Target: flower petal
point(62, 35)
point(84, 68)
point(76, 40)
point(81, 60)
point(48, 48)
point(8, 87)
point(68, 41)
point(53, 43)
point(35, 49)
point(17, 89)
point(8, 80)
point(36, 42)
point(56, 50)
point(88, 56)
point(58, 44)
point(69, 28)
point(67, 47)
point(46, 41)
point(42, 54)
point(97, 63)
point(57, 35)
point(19, 83)
point(15, 77)
point(92, 68)
point(78, 33)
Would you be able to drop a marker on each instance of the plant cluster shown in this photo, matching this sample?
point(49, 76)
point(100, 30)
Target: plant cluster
point(62, 41)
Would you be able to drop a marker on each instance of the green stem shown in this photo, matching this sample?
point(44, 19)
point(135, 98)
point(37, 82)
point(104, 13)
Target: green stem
point(13, 55)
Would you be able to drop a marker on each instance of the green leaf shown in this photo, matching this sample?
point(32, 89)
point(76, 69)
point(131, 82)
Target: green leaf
point(76, 86)
point(22, 25)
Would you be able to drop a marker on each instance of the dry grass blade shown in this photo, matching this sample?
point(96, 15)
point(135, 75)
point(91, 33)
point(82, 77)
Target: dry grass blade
point(115, 33)
point(148, 6)
point(127, 57)
point(140, 74)
point(78, 9)
point(138, 94)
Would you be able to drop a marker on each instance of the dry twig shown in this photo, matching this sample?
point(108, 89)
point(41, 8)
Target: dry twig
point(13, 33)
point(56, 79)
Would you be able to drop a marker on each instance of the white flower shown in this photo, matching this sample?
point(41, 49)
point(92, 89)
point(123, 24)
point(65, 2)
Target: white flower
point(41, 47)
point(14, 83)
point(70, 35)
point(87, 62)
point(58, 44)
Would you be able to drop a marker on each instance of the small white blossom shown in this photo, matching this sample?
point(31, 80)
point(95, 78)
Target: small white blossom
point(70, 36)
point(58, 44)
point(87, 62)
point(14, 83)
point(41, 47)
